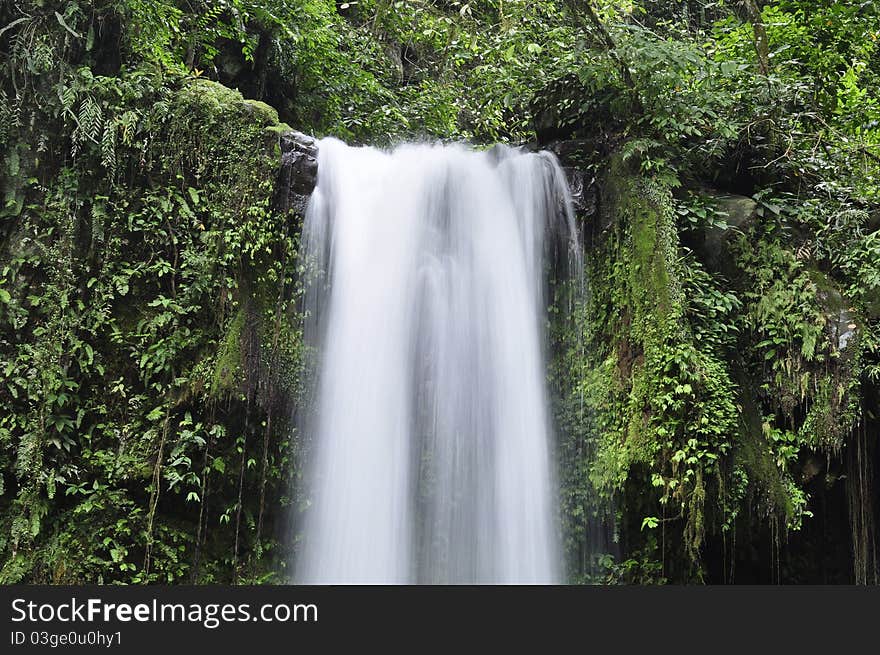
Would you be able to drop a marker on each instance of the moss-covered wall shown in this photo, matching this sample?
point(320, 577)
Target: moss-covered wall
point(709, 390)
point(150, 348)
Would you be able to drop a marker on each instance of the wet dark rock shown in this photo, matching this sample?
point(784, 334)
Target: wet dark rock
point(299, 171)
point(574, 152)
point(839, 315)
point(739, 212)
point(583, 191)
point(575, 156)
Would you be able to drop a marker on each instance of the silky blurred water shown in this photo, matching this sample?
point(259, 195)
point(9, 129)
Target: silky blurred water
point(430, 448)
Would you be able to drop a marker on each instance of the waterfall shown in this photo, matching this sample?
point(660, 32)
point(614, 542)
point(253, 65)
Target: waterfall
point(429, 436)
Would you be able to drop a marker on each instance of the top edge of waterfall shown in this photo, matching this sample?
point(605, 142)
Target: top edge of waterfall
point(439, 144)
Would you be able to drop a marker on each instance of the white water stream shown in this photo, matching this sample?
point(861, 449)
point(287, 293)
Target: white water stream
point(431, 452)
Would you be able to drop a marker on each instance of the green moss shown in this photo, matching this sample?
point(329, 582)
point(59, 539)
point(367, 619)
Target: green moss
point(265, 115)
point(646, 300)
point(214, 104)
point(211, 93)
point(650, 270)
point(279, 128)
point(227, 374)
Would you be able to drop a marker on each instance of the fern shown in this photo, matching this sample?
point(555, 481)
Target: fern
point(108, 147)
point(90, 119)
point(128, 126)
point(68, 95)
point(210, 16)
point(6, 117)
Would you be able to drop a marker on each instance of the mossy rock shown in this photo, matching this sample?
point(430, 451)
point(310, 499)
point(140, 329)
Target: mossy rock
point(837, 310)
point(739, 213)
point(219, 103)
point(266, 115)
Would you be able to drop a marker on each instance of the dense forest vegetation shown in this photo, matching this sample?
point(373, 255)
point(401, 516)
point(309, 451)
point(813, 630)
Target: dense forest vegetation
point(717, 384)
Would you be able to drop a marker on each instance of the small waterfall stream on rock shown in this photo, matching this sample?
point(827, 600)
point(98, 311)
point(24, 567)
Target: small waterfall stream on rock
point(431, 457)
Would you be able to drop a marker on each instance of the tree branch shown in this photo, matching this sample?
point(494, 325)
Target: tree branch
point(589, 20)
point(762, 43)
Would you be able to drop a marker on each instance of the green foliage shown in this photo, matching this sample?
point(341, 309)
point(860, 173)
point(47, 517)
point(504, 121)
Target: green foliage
point(139, 223)
point(639, 570)
point(721, 359)
point(662, 397)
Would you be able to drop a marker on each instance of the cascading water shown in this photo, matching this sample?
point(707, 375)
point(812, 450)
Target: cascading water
point(430, 438)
